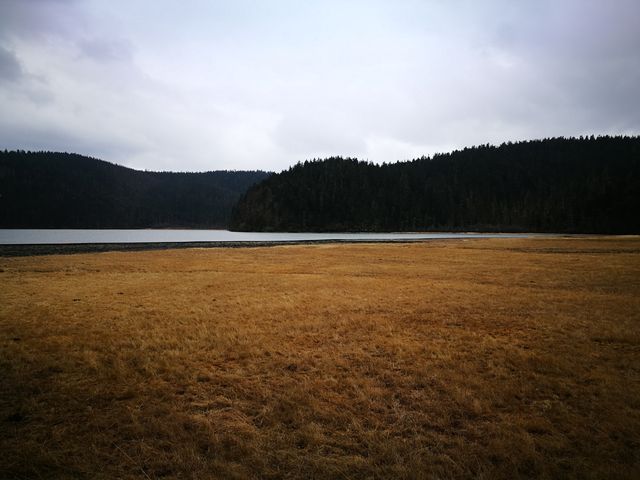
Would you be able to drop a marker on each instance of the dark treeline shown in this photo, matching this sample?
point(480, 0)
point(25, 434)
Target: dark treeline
point(61, 190)
point(587, 185)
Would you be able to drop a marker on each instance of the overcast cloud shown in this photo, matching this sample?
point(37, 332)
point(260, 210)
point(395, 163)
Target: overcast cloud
point(241, 84)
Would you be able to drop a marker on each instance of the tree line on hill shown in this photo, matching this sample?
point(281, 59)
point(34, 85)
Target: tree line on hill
point(588, 185)
point(62, 190)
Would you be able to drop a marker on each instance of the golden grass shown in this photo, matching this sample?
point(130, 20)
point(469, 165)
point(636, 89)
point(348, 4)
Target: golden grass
point(453, 359)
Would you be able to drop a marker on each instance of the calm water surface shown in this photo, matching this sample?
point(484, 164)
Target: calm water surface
point(53, 236)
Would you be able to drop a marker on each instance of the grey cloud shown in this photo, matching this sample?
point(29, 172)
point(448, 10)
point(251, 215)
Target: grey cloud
point(56, 138)
point(587, 54)
point(106, 50)
point(18, 82)
point(10, 68)
point(36, 19)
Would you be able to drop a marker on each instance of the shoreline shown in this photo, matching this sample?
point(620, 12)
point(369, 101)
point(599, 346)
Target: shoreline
point(30, 250)
point(36, 249)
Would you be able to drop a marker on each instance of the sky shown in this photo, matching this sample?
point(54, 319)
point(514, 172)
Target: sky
point(205, 85)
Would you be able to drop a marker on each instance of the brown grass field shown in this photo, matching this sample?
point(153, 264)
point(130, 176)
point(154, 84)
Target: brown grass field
point(504, 358)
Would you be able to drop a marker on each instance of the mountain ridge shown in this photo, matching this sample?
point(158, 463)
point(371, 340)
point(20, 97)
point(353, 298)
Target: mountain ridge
point(68, 190)
point(564, 185)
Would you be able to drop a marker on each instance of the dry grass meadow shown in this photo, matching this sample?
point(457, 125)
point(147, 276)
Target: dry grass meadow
point(504, 358)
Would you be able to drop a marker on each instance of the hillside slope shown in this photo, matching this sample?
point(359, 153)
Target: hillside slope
point(61, 190)
point(589, 185)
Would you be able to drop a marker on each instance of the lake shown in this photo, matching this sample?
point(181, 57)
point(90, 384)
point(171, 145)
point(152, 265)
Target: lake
point(63, 236)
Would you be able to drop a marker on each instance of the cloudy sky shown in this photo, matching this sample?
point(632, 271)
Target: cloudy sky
point(246, 84)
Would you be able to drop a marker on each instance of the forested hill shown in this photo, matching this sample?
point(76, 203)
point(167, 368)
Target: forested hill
point(61, 190)
point(585, 185)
